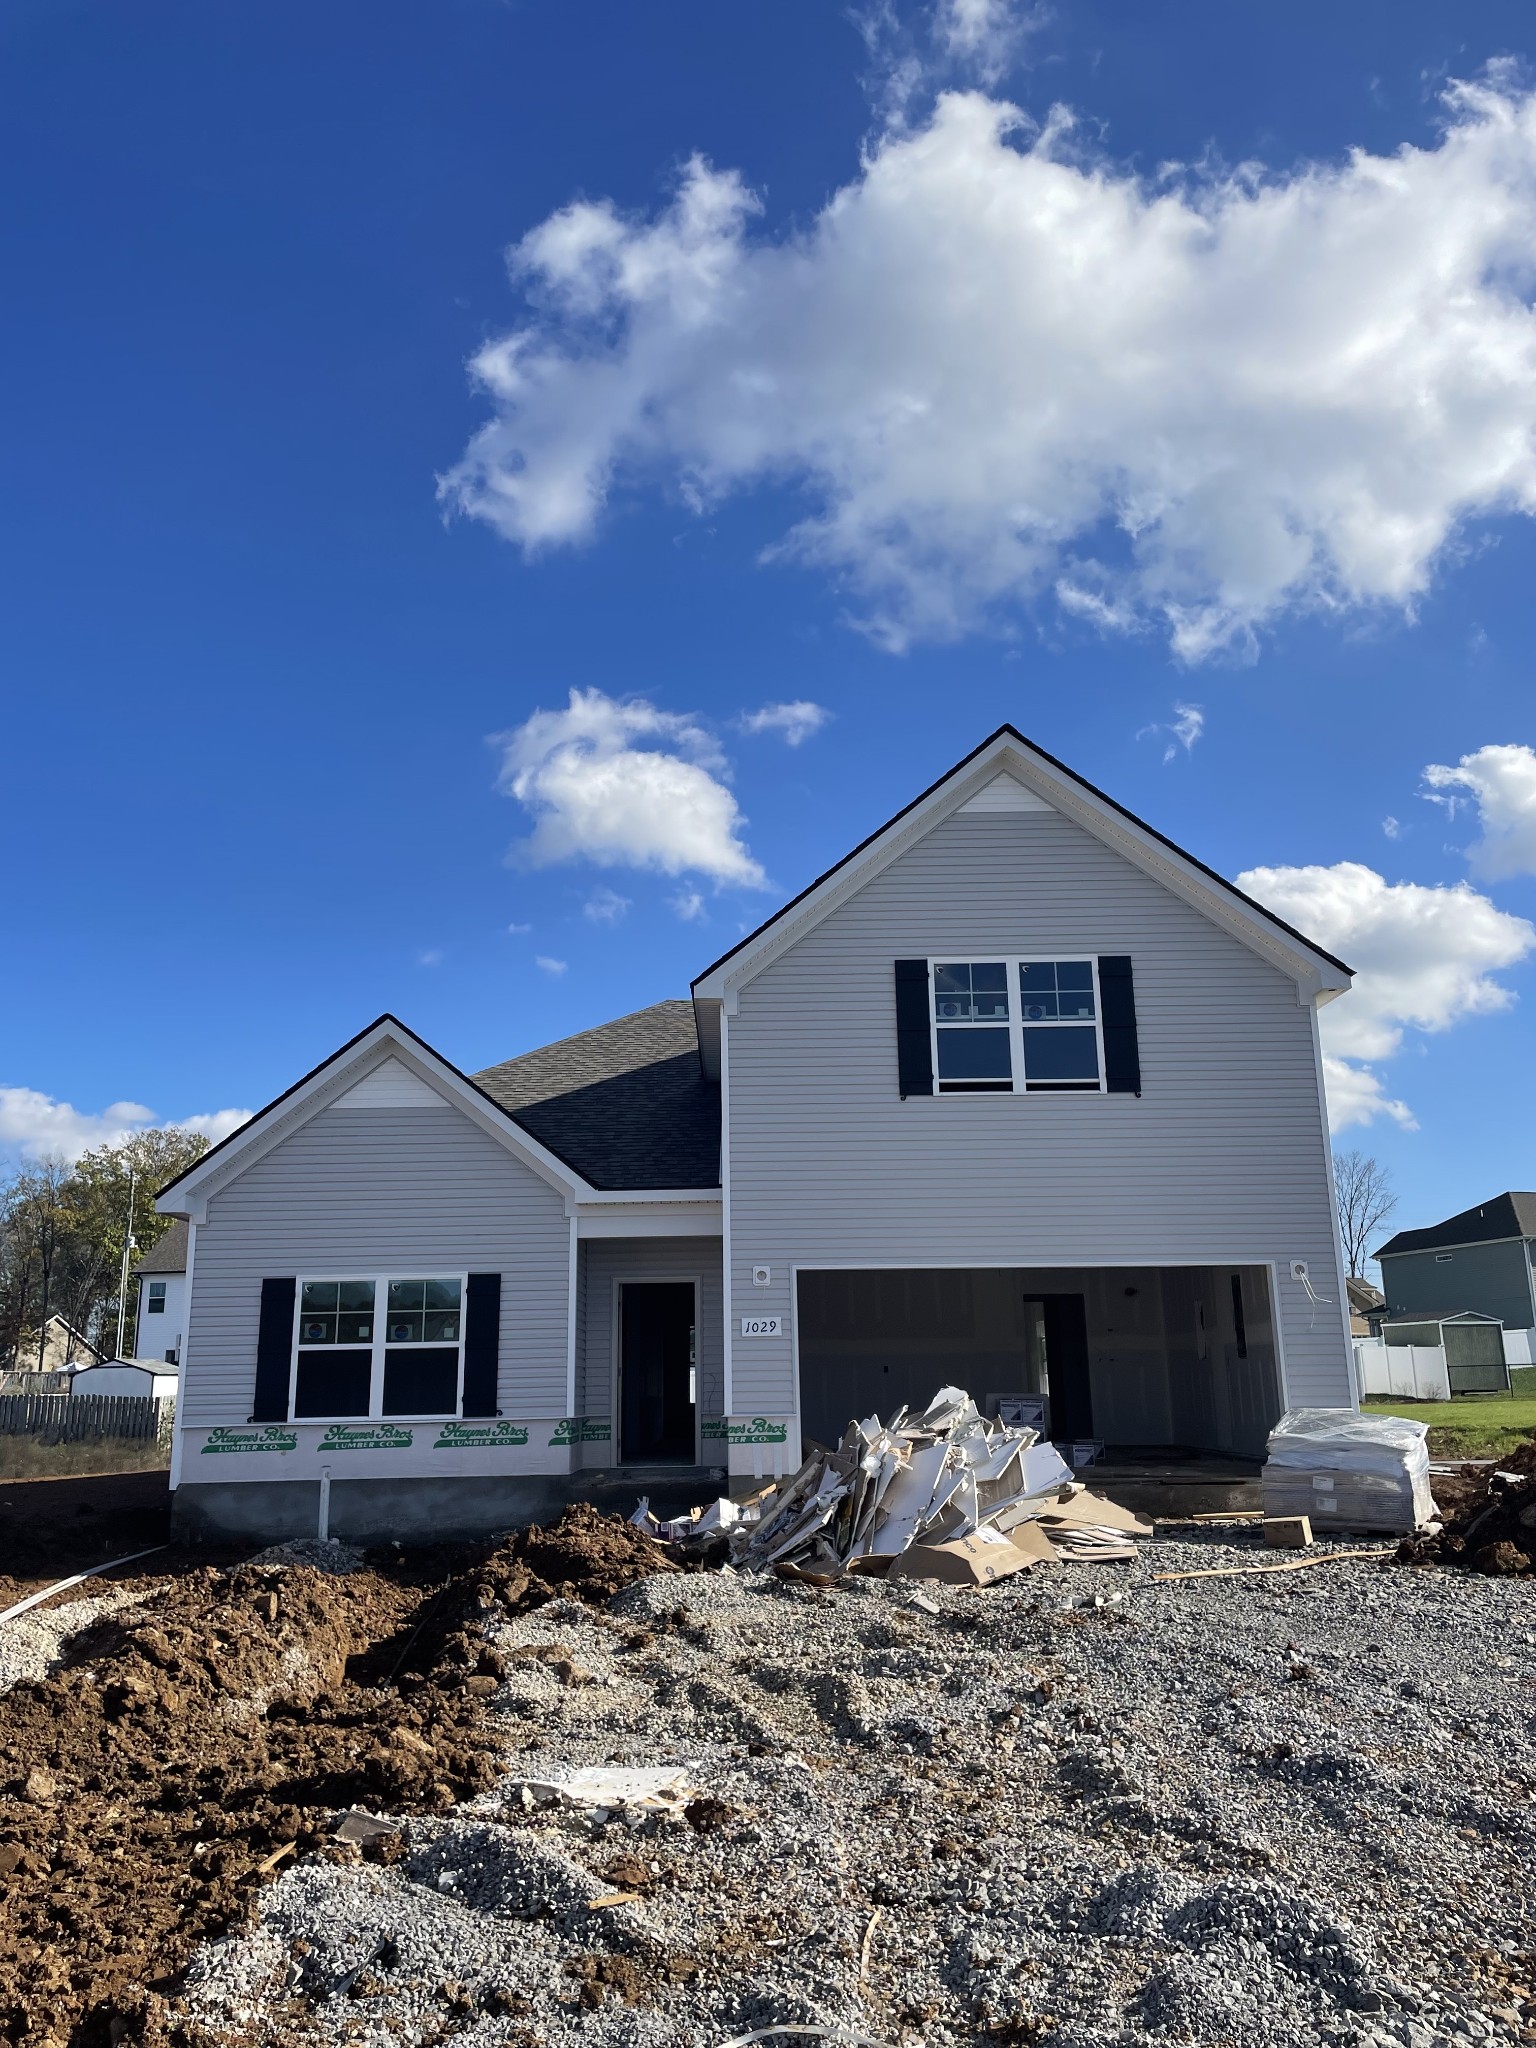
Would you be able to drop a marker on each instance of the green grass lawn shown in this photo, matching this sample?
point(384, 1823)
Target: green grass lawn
point(1473, 1425)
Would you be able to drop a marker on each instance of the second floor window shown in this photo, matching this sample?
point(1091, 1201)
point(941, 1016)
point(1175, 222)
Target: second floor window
point(155, 1305)
point(1017, 1026)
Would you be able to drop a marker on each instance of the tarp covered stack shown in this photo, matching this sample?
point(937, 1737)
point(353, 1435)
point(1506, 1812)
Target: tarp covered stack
point(947, 1494)
point(1349, 1471)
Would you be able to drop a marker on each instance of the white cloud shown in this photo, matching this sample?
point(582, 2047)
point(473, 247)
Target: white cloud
point(793, 722)
point(997, 365)
point(1391, 827)
point(606, 906)
point(38, 1127)
point(430, 956)
point(218, 1124)
point(1502, 783)
point(597, 796)
point(519, 930)
point(1185, 727)
point(688, 904)
point(984, 36)
point(554, 967)
point(1356, 1096)
point(1423, 957)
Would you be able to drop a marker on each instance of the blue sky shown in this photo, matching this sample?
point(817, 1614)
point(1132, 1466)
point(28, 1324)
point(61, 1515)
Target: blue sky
point(1193, 436)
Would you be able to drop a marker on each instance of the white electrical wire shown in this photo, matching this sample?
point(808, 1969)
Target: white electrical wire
point(845, 2037)
point(63, 1585)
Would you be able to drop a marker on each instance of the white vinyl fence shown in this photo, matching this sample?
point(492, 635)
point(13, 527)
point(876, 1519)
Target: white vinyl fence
point(1405, 1372)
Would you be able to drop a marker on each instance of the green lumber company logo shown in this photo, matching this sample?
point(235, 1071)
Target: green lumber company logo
point(371, 1436)
point(582, 1429)
point(480, 1436)
point(271, 1439)
point(746, 1429)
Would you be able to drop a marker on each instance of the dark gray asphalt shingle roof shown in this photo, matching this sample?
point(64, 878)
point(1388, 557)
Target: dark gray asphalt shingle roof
point(1507, 1215)
point(625, 1104)
point(170, 1254)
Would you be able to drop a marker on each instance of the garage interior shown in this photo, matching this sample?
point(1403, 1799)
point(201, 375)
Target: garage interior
point(1145, 1360)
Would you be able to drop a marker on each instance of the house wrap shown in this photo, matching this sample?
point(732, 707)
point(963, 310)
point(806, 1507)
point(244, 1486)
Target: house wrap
point(1018, 1095)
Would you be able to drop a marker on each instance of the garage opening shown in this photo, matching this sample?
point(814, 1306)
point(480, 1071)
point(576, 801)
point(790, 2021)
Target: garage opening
point(1137, 1358)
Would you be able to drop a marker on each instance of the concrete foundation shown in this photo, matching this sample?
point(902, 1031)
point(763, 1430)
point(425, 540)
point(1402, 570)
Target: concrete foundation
point(424, 1510)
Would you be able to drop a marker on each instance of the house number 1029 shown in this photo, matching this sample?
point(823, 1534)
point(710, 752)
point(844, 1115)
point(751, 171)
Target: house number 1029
point(762, 1326)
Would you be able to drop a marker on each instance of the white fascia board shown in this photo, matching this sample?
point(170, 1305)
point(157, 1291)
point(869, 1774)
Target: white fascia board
point(269, 1127)
point(1316, 978)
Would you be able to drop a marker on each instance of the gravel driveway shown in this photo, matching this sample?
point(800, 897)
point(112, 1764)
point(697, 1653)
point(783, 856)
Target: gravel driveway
point(1080, 1808)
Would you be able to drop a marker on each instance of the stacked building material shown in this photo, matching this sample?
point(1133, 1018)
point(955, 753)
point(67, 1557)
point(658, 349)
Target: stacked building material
point(1349, 1471)
point(950, 1492)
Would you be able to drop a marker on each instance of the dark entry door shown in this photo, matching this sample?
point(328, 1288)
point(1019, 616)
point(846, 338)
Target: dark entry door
point(1066, 1365)
point(656, 1372)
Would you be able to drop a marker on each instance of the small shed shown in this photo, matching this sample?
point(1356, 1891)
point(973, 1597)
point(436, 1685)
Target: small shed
point(1473, 1345)
point(140, 1377)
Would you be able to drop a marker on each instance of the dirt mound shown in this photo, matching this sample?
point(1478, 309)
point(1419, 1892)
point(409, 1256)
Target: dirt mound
point(585, 1555)
point(189, 1746)
point(1489, 1516)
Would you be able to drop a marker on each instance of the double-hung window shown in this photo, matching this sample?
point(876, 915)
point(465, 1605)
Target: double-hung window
point(155, 1306)
point(380, 1346)
point(1017, 1026)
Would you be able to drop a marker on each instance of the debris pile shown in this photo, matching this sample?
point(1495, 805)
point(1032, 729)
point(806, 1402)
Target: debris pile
point(1490, 1519)
point(1349, 1471)
point(948, 1494)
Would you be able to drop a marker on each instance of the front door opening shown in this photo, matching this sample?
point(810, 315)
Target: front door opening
point(656, 1372)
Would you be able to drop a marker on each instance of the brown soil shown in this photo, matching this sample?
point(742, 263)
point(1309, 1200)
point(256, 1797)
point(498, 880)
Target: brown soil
point(52, 1527)
point(190, 1746)
point(1489, 1514)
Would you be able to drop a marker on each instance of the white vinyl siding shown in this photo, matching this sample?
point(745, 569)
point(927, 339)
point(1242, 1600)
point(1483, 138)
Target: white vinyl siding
point(1222, 1159)
point(365, 1191)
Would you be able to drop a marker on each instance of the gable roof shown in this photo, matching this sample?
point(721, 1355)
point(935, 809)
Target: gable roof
point(1008, 751)
point(170, 1254)
point(1511, 1214)
point(187, 1194)
point(625, 1104)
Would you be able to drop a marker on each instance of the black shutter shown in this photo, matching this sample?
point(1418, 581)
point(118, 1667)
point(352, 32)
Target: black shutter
point(274, 1351)
point(914, 1039)
point(482, 1343)
point(1122, 1054)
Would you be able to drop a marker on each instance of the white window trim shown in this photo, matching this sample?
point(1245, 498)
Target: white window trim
point(378, 1347)
point(154, 1304)
point(1011, 963)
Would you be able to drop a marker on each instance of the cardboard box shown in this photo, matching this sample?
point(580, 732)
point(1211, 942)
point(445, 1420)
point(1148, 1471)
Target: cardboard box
point(1288, 1532)
point(980, 1559)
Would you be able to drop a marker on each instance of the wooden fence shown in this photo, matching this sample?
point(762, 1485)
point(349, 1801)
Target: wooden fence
point(85, 1418)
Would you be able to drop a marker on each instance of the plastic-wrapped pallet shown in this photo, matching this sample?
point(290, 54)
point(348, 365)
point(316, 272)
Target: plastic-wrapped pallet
point(1349, 1471)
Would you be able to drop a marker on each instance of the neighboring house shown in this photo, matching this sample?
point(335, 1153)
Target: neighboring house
point(124, 1376)
point(1017, 1095)
point(162, 1318)
point(1479, 1260)
point(63, 1349)
point(1366, 1304)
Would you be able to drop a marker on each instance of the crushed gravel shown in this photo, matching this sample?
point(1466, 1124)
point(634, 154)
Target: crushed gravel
point(334, 1557)
point(32, 1644)
point(1079, 1808)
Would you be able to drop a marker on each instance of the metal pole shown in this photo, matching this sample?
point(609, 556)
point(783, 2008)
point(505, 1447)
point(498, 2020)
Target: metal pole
point(122, 1283)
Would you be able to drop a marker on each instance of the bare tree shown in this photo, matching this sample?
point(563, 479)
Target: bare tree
point(1365, 1200)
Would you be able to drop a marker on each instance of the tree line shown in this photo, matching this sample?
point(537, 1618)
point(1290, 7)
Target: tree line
point(62, 1228)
